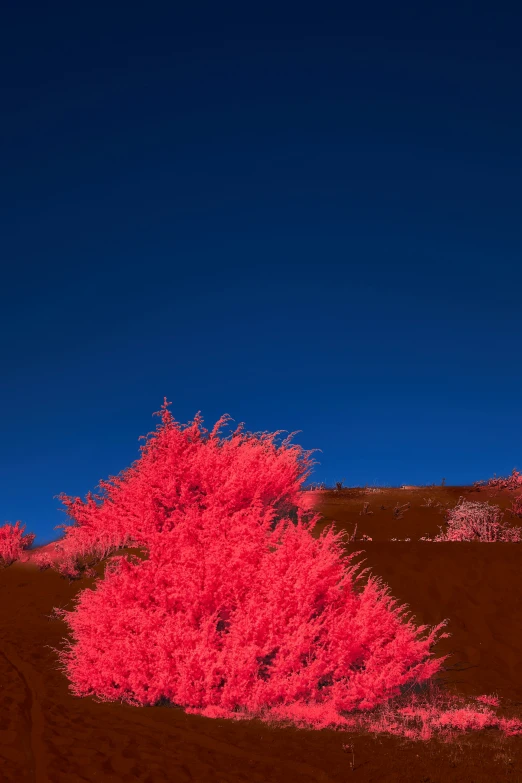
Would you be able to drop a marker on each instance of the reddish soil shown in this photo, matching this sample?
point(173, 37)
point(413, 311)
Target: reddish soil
point(47, 734)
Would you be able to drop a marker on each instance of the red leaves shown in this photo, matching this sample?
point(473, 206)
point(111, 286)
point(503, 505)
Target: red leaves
point(474, 521)
point(238, 610)
point(12, 543)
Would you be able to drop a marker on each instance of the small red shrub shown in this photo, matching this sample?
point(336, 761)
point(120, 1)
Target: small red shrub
point(43, 560)
point(12, 543)
point(511, 482)
point(493, 701)
point(475, 521)
point(516, 507)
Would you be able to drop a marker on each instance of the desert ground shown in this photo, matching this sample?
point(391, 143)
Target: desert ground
point(47, 734)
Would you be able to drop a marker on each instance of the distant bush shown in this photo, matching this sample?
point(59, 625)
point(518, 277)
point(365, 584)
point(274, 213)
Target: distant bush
point(43, 560)
point(475, 521)
point(513, 482)
point(12, 543)
point(516, 507)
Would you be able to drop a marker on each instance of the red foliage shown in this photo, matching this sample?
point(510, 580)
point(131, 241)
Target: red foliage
point(43, 560)
point(516, 507)
point(12, 543)
point(239, 611)
point(179, 468)
point(511, 482)
point(474, 521)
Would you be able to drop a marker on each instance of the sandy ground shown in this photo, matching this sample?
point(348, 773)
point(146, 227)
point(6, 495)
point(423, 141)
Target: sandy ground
point(46, 734)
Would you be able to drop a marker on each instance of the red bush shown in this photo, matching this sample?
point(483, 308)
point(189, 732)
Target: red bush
point(43, 560)
point(239, 611)
point(474, 521)
point(512, 482)
point(516, 507)
point(12, 542)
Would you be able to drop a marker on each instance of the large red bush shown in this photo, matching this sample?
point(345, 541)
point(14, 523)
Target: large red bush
point(238, 610)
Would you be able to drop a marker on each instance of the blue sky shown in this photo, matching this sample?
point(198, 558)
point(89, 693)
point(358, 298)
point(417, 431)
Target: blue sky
point(307, 217)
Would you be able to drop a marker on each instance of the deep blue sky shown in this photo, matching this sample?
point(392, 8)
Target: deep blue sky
point(305, 216)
